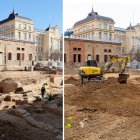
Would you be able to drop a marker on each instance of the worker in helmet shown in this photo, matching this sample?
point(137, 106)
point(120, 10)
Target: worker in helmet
point(43, 89)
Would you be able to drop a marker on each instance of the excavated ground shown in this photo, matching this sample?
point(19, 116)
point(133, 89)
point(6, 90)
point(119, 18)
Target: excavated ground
point(34, 120)
point(103, 110)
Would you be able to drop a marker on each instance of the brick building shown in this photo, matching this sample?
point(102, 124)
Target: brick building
point(100, 28)
point(19, 28)
point(79, 50)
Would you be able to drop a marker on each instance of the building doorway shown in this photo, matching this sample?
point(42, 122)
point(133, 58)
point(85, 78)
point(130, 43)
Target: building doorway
point(1, 58)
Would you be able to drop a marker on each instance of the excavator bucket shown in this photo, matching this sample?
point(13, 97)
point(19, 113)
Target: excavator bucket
point(122, 79)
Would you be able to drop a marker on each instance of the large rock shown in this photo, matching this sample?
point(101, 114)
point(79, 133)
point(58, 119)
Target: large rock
point(8, 85)
point(7, 98)
point(19, 90)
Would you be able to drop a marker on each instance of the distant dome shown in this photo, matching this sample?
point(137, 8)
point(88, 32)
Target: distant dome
point(92, 16)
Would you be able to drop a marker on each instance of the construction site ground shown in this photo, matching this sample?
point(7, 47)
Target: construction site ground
point(103, 110)
point(34, 118)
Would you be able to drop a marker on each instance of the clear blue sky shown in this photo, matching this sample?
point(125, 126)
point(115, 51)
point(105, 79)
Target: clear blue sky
point(42, 12)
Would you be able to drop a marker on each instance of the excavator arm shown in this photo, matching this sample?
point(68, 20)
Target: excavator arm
point(113, 59)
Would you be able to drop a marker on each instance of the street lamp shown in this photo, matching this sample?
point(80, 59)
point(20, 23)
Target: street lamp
point(5, 58)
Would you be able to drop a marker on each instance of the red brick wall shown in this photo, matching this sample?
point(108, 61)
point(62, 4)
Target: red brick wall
point(89, 47)
point(76, 44)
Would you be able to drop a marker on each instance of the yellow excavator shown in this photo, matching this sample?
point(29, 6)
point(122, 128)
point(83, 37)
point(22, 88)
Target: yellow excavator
point(90, 70)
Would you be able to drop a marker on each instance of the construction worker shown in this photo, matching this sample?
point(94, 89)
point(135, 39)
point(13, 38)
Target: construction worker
point(43, 89)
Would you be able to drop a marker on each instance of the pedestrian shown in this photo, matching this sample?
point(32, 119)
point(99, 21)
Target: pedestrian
point(43, 89)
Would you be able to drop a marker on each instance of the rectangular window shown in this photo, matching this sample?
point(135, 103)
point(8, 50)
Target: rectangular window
point(29, 35)
point(109, 51)
point(18, 49)
point(105, 35)
point(12, 34)
point(74, 49)
point(110, 36)
point(29, 27)
point(41, 49)
point(100, 25)
point(30, 57)
point(74, 58)
point(110, 27)
point(65, 59)
point(105, 58)
point(24, 26)
point(100, 35)
point(24, 36)
point(79, 49)
point(105, 26)
point(9, 56)
point(18, 56)
point(79, 57)
point(97, 58)
point(19, 26)
point(22, 49)
point(105, 50)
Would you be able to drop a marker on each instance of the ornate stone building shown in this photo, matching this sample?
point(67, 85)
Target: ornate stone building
point(47, 42)
point(132, 38)
point(91, 38)
point(100, 32)
point(17, 27)
point(20, 43)
point(94, 27)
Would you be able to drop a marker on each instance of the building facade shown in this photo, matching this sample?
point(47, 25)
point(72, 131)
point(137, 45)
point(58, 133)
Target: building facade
point(16, 55)
point(133, 38)
point(52, 40)
point(94, 27)
point(20, 37)
point(79, 50)
point(17, 27)
point(120, 35)
point(91, 38)
point(101, 30)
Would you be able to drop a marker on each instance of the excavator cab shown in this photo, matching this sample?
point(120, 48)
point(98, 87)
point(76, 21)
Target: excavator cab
point(91, 63)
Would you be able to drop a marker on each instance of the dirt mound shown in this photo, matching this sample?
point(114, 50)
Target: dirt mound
point(104, 95)
point(112, 80)
point(72, 80)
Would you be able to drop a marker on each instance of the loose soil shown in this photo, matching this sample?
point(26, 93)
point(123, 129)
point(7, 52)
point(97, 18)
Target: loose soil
point(103, 110)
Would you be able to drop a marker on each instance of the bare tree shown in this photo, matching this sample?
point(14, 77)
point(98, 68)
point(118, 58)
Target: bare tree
point(56, 55)
point(137, 55)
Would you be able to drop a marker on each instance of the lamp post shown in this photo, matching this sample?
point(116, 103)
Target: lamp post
point(5, 58)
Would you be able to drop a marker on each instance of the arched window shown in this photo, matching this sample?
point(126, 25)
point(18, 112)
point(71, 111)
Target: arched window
point(29, 27)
